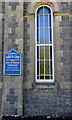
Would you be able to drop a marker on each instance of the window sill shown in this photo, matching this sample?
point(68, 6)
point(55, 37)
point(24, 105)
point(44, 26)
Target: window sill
point(44, 85)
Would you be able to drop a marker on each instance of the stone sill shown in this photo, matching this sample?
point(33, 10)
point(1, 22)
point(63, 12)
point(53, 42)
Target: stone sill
point(44, 85)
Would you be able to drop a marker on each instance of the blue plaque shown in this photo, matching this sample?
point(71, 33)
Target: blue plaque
point(12, 63)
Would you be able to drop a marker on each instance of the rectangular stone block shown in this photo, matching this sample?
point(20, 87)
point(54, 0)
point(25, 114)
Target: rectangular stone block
point(0, 7)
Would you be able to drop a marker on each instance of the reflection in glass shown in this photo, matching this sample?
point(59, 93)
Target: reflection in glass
point(41, 67)
point(47, 36)
point(41, 52)
point(41, 24)
point(46, 52)
point(46, 67)
point(42, 36)
point(47, 10)
point(40, 11)
point(50, 35)
point(47, 20)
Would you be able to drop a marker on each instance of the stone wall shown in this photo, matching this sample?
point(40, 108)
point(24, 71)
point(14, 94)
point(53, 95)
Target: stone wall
point(49, 99)
point(13, 38)
point(21, 95)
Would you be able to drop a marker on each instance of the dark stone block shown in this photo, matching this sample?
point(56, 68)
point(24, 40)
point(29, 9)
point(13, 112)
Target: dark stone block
point(65, 35)
point(71, 6)
point(26, 37)
point(0, 98)
point(13, 5)
point(27, 48)
point(15, 46)
point(27, 25)
point(27, 72)
point(12, 90)
point(65, 18)
point(66, 6)
point(26, 60)
point(13, 24)
point(66, 78)
point(64, 24)
point(3, 7)
point(12, 98)
point(11, 111)
point(13, 36)
point(0, 7)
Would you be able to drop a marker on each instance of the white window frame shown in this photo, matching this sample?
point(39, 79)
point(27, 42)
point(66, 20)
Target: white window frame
point(43, 80)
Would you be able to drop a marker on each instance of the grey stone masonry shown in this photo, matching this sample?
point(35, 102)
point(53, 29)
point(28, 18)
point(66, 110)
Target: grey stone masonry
point(65, 59)
point(71, 52)
point(25, 5)
point(13, 38)
point(44, 102)
point(0, 99)
point(1, 49)
point(65, 6)
point(13, 35)
point(40, 99)
point(12, 98)
point(26, 49)
point(13, 5)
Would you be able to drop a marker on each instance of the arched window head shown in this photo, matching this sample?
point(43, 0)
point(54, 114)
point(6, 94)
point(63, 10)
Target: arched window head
point(44, 44)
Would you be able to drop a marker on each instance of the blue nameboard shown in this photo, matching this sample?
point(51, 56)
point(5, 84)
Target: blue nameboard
point(12, 63)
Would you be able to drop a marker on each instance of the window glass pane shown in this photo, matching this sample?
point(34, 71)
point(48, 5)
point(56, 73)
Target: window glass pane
point(37, 67)
point(51, 67)
point(50, 36)
point(42, 36)
point(37, 21)
point(47, 35)
point(41, 21)
point(37, 53)
point(40, 10)
point(50, 21)
point(50, 52)
point(46, 52)
point(37, 36)
point(46, 67)
point(42, 77)
point(41, 67)
point(47, 20)
point(47, 77)
point(47, 10)
point(41, 52)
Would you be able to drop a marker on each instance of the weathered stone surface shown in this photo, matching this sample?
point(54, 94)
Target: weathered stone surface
point(13, 5)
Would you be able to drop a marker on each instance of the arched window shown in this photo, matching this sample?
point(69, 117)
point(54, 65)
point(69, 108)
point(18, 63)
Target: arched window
point(44, 44)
